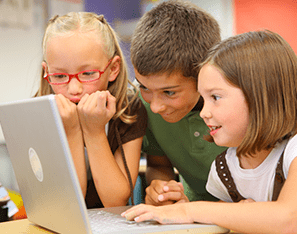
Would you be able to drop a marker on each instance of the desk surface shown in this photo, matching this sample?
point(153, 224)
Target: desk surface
point(24, 226)
point(21, 226)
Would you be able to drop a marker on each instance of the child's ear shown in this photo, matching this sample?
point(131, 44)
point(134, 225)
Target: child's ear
point(44, 66)
point(115, 68)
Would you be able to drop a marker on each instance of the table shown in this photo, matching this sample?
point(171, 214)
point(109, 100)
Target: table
point(24, 226)
point(21, 226)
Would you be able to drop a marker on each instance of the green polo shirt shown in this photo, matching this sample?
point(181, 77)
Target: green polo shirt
point(183, 144)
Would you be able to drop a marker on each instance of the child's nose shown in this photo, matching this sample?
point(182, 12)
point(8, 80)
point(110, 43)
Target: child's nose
point(74, 86)
point(157, 106)
point(205, 113)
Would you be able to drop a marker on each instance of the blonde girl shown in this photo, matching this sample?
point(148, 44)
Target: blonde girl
point(84, 66)
point(249, 86)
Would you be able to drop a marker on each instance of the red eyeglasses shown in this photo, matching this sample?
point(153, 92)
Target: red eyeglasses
point(82, 77)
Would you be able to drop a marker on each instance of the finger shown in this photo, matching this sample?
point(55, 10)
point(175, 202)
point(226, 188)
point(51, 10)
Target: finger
point(83, 100)
point(131, 210)
point(171, 196)
point(144, 213)
point(181, 186)
point(60, 101)
point(144, 217)
point(152, 194)
point(139, 213)
point(151, 199)
point(173, 186)
point(111, 102)
point(101, 99)
point(156, 201)
point(91, 102)
point(158, 186)
point(64, 105)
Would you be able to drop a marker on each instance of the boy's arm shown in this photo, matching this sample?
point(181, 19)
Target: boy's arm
point(158, 168)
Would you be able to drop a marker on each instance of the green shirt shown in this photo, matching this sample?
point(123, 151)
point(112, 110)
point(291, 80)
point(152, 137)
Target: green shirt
point(183, 144)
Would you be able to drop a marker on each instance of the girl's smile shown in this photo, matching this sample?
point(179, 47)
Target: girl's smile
point(213, 129)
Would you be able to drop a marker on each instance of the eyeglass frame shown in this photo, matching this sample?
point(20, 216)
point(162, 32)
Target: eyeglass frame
point(76, 75)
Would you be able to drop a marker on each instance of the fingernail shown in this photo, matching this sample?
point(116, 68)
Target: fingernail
point(160, 197)
point(136, 218)
point(165, 188)
point(123, 214)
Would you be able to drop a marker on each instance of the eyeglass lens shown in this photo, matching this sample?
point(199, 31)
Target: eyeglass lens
point(82, 76)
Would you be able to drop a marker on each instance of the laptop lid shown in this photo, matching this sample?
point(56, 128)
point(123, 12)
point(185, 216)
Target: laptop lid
point(41, 159)
point(42, 162)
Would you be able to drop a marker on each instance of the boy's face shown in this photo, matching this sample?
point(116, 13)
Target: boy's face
point(173, 96)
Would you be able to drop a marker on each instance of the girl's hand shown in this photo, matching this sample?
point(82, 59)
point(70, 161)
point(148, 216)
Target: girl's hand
point(68, 113)
point(95, 111)
point(175, 213)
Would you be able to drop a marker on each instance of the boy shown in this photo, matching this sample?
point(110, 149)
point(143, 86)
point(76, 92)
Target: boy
point(167, 45)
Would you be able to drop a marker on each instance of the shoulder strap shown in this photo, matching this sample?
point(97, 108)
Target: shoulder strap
point(279, 179)
point(125, 162)
point(225, 176)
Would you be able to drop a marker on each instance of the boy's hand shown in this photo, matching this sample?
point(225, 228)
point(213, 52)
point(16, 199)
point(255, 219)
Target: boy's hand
point(161, 193)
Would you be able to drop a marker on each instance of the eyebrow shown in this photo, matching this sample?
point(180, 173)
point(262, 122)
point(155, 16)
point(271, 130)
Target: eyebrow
point(163, 88)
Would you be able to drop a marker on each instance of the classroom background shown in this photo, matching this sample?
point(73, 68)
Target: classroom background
point(22, 23)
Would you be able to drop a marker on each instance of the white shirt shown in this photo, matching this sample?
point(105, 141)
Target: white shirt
point(257, 183)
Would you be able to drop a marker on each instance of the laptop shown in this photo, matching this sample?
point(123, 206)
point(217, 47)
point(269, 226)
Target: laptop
point(42, 162)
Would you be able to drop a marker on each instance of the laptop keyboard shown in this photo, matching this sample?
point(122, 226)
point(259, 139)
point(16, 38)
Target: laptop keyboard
point(106, 222)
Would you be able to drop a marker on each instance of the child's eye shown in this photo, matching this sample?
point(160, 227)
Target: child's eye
point(89, 73)
point(169, 93)
point(59, 76)
point(143, 87)
point(215, 97)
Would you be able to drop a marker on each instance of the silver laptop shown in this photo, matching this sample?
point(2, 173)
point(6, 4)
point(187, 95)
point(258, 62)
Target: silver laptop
point(42, 162)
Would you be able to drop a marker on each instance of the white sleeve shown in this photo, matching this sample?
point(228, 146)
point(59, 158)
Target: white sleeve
point(290, 154)
point(215, 186)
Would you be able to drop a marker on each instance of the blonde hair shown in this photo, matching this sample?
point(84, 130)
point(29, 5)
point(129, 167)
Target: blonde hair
point(264, 66)
point(86, 22)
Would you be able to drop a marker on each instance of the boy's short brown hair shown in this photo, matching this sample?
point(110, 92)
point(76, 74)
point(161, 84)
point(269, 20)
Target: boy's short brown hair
point(173, 36)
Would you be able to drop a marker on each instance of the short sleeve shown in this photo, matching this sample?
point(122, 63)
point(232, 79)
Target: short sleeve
point(138, 128)
point(290, 154)
point(150, 144)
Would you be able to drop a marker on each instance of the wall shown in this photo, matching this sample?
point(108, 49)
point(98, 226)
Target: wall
point(21, 56)
point(278, 16)
point(123, 16)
